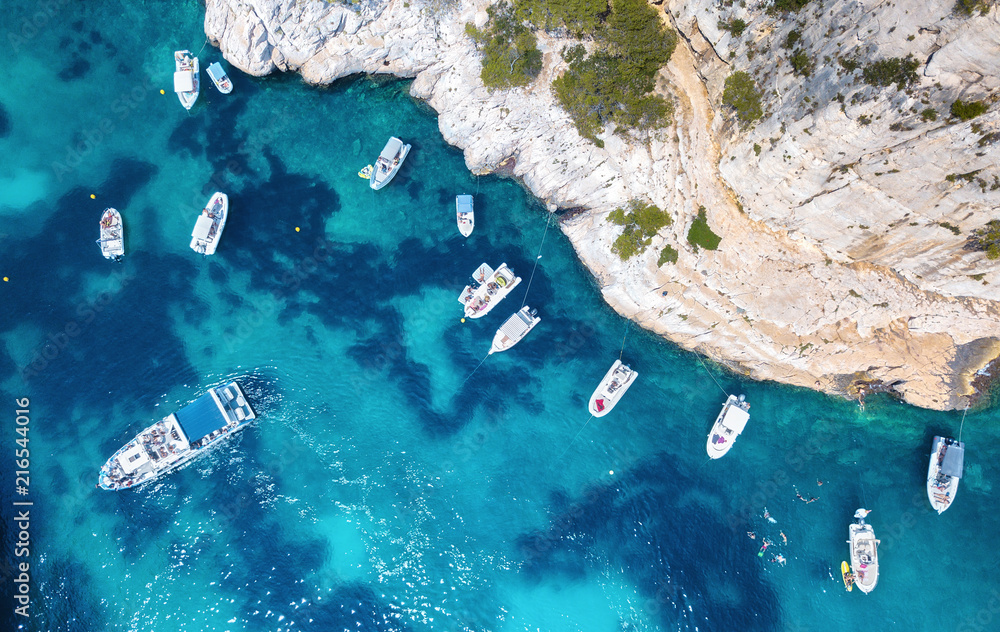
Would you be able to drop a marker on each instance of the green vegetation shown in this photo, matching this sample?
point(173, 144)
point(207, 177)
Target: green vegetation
point(667, 255)
point(615, 84)
point(740, 93)
point(756, 149)
point(967, 110)
point(968, 177)
point(700, 235)
point(987, 239)
point(641, 222)
point(951, 227)
point(930, 114)
point(850, 64)
point(791, 39)
point(579, 17)
point(894, 70)
point(789, 5)
point(801, 64)
point(972, 7)
point(735, 26)
point(510, 51)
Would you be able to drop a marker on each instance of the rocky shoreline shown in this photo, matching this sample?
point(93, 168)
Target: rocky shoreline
point(834, 270)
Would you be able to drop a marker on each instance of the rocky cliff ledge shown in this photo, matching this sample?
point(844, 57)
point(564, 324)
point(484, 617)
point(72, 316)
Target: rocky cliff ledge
point(843, 224)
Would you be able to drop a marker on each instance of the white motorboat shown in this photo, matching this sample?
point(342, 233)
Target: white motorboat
point(208, 228)
point(466, 216)
point(220, 78)
point(112, 239)
point(864, 552)
point(616, 381)
point(178, 438)
point(944, 471)
point(388, 163)
point(489, 288)
point(514, 329)
point(186, 78)
point(728, 425)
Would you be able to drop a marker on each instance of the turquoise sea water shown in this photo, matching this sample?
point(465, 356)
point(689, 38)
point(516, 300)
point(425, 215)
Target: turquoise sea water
point(382, 487)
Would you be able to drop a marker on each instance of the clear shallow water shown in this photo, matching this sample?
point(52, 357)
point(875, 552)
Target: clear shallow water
point(380, 490)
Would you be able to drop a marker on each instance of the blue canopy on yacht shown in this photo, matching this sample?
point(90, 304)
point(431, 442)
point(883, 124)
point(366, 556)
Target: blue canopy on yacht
point(201, 417)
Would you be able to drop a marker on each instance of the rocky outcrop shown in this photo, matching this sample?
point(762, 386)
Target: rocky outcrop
point(834, 268)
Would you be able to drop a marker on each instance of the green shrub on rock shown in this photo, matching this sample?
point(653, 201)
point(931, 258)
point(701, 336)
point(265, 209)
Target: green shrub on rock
point(614, 85)
point(967, 110)
point(641, 222)
point(895, 70)
point(740, 93)
point(510, 50)
point(700, 235)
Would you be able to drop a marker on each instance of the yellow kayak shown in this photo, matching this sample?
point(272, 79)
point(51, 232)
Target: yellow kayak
point(845, 570)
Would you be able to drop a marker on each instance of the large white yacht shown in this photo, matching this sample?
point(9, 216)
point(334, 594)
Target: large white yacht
point(208, 228)
point(186, 77)
point(616, 381)
point(728, 425)
point(944, 471)
point(864, 552)
point(490, 287)
point(178, 438)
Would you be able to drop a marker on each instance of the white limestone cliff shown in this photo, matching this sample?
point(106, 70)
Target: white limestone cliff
point(834, 268)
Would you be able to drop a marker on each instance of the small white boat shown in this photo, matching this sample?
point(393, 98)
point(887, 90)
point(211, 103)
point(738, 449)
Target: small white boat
point(112, 239)
point(186, 78)
point(728, 425)
point(616, 381)
point(208, 228)
point(944, 471)
point(466, 217)
point(489, 288)
point(388, 163)
point(864, 552)
point(220, 78)
point(514, 329)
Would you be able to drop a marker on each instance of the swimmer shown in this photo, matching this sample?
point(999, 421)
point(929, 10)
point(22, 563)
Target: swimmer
point(751, 535)
point(782, 534)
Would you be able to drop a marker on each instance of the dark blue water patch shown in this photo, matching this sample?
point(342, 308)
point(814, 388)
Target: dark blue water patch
point(77, 68)
point(64, 600)
point(668, 545)
point(4, 122)
point(95, 37)
point(100, 344)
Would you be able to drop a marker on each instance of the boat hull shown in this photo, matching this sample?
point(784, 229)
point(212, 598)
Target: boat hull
point(465, 214)
point(941, 488)
point(217, 210)
point(490, 292)
point(112, 239)
point(186, 63)
point(514, 329)
point(220, 78)
point(385, 170)
point(164, 447)
point(864, 555)
point(605, 398)
point(727, 427)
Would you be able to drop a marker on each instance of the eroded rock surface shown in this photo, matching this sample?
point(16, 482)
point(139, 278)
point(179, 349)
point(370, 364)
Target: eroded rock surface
point(839, 262)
